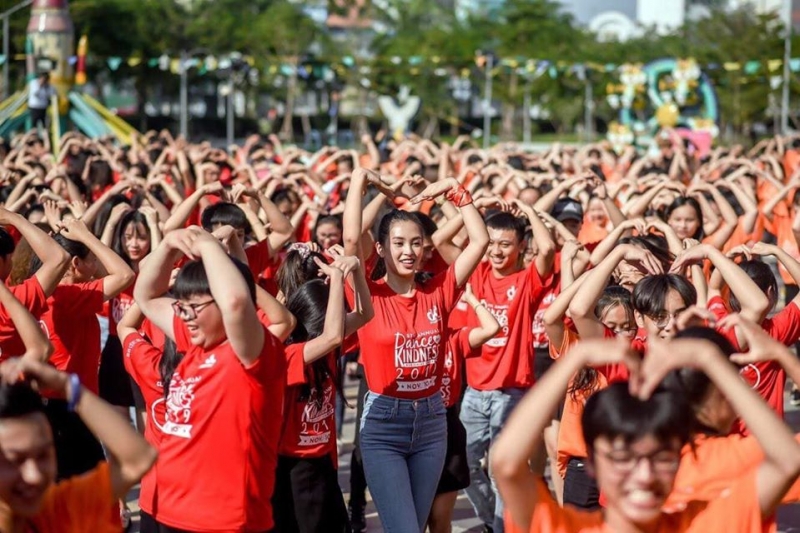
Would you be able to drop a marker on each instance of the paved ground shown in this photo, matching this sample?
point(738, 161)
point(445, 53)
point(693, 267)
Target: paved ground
point(464, 520)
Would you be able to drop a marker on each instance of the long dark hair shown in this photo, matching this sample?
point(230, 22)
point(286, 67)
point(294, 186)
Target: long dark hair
point(309, 304)
point(297, 268)
point(385, 226)
point(118, 244)
point(585, 381)
point(681, 201)
point(73, 248)
point(170, 359)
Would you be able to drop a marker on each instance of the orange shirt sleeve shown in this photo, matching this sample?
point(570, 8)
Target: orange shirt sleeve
point(548, 517)
point(81, 503)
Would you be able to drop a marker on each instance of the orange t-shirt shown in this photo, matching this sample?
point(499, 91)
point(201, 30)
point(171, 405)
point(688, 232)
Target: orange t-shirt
point(80, 503)
point(736, 511)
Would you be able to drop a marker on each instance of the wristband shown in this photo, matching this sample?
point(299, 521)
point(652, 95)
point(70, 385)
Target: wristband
point(459, 196)
point(75, 391)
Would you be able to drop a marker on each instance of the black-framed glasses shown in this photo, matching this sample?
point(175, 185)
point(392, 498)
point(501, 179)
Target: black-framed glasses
point(189, 311)
point(662, 319)
point(661, 461)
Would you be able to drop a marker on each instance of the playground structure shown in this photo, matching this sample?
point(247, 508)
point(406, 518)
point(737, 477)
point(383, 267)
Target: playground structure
point(50, 48)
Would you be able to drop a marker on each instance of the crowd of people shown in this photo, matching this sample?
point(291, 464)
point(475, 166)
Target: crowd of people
point(607, 318)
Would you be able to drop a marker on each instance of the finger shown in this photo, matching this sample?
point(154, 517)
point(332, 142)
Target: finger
point(742, 359)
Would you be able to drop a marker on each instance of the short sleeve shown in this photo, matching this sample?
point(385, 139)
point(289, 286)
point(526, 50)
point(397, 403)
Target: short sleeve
point(83, 298)
point(548, 517)
point(295, 364)
point(258, 257)
point(31, 294)
point(81, 503)
point(271, 362)
point(141, 357)
point(784, 327)
point(460, 344)
point(717, 306)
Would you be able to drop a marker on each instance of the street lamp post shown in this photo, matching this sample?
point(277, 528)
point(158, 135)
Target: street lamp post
point(487, 103)
point(7, 41)
point(184, 129)
point(787, 56)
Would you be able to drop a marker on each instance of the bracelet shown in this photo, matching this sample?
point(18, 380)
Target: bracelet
point(459, 196)
point(75, 391)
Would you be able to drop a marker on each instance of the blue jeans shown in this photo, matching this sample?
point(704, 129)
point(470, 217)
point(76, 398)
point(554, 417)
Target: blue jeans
point(403, 446)
point(483, 414)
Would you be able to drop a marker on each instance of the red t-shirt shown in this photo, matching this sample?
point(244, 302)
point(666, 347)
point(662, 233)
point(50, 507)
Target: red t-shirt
point(309, 420)
point(507, 359)
point(220, 445)
point(70, 322)
point(141, 361)
point(402, 347)
point(456, 350)
point(259, 260)
point(32, 296)
point(118, 306)
point(767, 378)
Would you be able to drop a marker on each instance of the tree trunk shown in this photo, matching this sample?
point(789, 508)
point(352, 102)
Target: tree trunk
point(287, 129)
point(509, 108)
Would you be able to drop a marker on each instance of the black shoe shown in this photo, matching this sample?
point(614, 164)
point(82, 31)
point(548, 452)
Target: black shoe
point(794, 397)
point(487, 529)
point(358, 521)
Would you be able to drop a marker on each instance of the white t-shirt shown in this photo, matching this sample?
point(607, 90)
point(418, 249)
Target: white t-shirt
point(38, 95)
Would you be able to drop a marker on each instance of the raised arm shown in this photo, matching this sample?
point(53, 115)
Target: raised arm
point(281, 321)
point(231, 295)
point(130, 456)
point(333, 328)
point(153, 281)
point(541, 236)
point(182, 213)
point(472, 254)
point(781, 463)
point(55, 259)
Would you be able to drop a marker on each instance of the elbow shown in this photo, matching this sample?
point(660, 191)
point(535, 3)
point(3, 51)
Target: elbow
point(126, 278)
point(504, 467)
point(492, 330)
point(368, 314)
point(578, 311)
point(135, 470)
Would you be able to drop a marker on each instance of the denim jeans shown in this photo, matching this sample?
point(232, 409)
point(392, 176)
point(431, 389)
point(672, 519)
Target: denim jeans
point(483, 414)
point(403, 446)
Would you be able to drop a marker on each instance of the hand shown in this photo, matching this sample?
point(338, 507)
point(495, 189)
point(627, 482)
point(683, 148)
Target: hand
point(75, 230)
point(337, 250)
point(327, 270)
point(53, 215)
point(435, 189)
point(571, 249)
point(662, 357)
point(78, 208)
point(642, 259)
point(690, 243)
point(762, 347)
point(346, 264)
point(181, 240)
point(117, 212)
point(689, 257)
point(41, 375)
point(598, 352)
point(214, 188)
point(742, 250)
point(150, 213)
point(487, 202)
point(764, 249)
point(469, 296)
point(695, 316)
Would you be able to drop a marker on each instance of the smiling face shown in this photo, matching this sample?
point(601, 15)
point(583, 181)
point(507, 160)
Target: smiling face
point(684, 221)
point(328, 234)
point(636, 477)
point(665, 321)
point(504, 250)
point(596, 214)
point(136, 241)
point(403, 250)
point(27, 462)
point(206, 328)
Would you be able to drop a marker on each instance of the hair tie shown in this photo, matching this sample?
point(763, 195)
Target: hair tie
point(301, 248)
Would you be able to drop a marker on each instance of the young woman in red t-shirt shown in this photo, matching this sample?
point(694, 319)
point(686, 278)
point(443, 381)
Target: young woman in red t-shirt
point(71, 325)
point(403, 427)
point(307, 496)
point(225, 396)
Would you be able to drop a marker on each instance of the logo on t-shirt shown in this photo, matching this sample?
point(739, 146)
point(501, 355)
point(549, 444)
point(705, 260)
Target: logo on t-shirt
point(433, 315)
point(210, 361)
point(119, 308)
point(314, 421)
point(415, 356)
point(179, 406)
point(752, 375)
point(511, 292)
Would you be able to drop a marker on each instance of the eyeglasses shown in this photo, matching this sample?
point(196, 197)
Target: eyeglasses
point(189, 311)
point(662, 319)
point(661, 461)
point(622, 330)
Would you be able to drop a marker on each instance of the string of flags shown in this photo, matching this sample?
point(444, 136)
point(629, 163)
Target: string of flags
point(437, 65)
